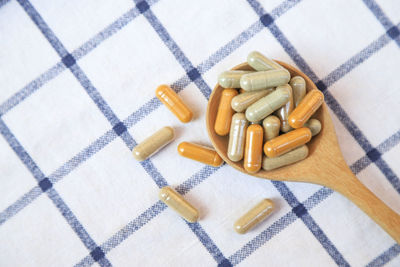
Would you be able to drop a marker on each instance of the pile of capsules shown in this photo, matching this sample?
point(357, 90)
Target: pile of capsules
point(270, 97)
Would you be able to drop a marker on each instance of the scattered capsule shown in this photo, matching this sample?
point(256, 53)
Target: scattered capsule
point(271, 125)
point(260, 62)
point(172, 101)
point(314, 125)
point(298, 85)
point(268, 104)
point(253, 150)
point(231, 78)
point(225, 112)
point(291, 157)
point(284, 111)
point(237, 137)
point(242, 101)
point(176, 202)
point(310, 103)
point(286, 142)
point(153, 144)
point(200, 153)
point(264, 79)
point(254, 216)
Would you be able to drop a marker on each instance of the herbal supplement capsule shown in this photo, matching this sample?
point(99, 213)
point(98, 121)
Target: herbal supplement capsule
point(298, 85)
point(200, 153)
point(253, 150)
point(254, 216)
point(286, 142)
point(268, 104)
point(231, 78)
point(271, 125)
point(172, 101)
point(264, 79)
point(242, 101)
point(176, 202)
point(291, 157)
point(310, 103)
point(314, 125)
point(225, 112)
point(260, 62)
point(284, 111)
point(237, 137)
point(154, 143)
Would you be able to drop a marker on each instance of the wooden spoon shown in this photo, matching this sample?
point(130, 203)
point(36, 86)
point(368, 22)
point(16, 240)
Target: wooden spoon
point(324, 165)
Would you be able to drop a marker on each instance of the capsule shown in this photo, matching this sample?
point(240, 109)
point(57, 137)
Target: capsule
point(314, 125)
point(242, 101)
point(310, 103)
point(260, 62)
point(237, 137)
point(225, 112)
point(284, 111)
point(176, 202)
point(271, 125)
point(154, 143)
point(231, 78)
point(264, 79)
point(253, 150)
point(291, 157)
point(254, 216)
point(298, 85)
point(200, 153)
point(286, 142)
point(268, 104)
point(172, 101)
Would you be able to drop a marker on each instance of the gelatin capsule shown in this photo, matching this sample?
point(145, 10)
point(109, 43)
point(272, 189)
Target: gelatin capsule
point(173, 102)
point(231, 78)
point(176, 202)
point(237, 137)
point(225, 112)
point(268, 104)
point(254, 216)
point(286, 142)
point(242, 101)
point(271, 125)
point(200, 153)
point(298, 85)
point(154, 143)
point(310, 103)
point(264, 79)
point(291, 157)
point(253, 150)
point(260, 62)
point(284, 111)
point(314, 125)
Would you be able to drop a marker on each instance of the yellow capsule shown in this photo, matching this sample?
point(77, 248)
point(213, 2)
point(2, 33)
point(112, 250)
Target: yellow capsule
point(242, 101)
point(237, 137)
point(172, 101)
point(225, 112)
point(200, 153)
point(254, 216)
point(253, 151)
point(314, 125)
point(176, 202)
point(286, 142)
point(271, 125)
point(284, 111)
point(298, 85)
point(264, 79)
point(291, 157)
point(310, 103)
point(260, 62)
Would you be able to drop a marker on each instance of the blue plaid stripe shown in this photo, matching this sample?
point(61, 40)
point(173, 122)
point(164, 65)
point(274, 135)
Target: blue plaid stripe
point(385, 257)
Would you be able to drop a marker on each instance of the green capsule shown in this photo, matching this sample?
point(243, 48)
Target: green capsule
point(260, 62)
point(291, 157)
point(284, 111)
point(231, 78)
point(244, 100)
point(271, 125)
point(237, 137)
point(314, 125)
point(264, 79)
point(298, 85)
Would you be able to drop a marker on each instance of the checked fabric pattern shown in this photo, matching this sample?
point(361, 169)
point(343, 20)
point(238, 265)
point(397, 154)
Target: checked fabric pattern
point(77, 81)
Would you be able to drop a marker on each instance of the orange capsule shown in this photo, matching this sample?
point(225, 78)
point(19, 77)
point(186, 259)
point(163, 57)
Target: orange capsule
point(253, 151)
point(286, 142)
point(200, 153)
point(173, 102)
point(310, 103)
point(225, 112)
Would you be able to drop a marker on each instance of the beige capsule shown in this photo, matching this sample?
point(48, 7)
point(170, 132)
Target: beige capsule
point(264, 79)
point(314, 125)
point(237, 137)
point(254, 216)
point(260, 62)
point(271, 125)
point(284, 111)
point(291, 157)
point(268, 104)
point(176, 202)
point(244, 100)
point(298, 85)
point(231, 78)
point(154, 143)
